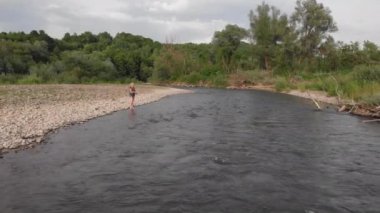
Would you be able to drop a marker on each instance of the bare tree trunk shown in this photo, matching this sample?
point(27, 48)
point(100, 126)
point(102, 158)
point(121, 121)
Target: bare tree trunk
point(225, 65)
point(267, 64)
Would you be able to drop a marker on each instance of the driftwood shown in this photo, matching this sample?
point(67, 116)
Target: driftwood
point(353, 108)
point(338, 94)
point(369, 121)
point(361, 110)
point(342, 108)
point(315, 101)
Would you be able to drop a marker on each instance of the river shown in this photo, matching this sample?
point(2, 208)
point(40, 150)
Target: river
point(212, 151)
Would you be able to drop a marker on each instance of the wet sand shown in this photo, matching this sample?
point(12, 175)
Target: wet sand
point(29, 112)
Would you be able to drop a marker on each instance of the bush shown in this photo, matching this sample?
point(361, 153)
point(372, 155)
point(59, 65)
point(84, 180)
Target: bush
point(30, 79)
point(282, 84)
point(210, 71)
point(70, 77)
point(367, 73)
point(193, 78)
point(251, 76)
point(9, 78)
point(350, 89)
point(42, 73)
point(219, 80)
point(372, 100)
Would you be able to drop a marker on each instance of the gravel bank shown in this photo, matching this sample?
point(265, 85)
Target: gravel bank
point(28, 112)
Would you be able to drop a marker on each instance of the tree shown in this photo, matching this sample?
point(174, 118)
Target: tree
point(328, 58)
point(269, 29)
point(313, 23)
point(350, 55)
point(227, 42)
point(39, 51)
point(371, 52)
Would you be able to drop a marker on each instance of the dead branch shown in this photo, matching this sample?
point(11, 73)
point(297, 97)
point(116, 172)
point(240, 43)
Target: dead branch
point(315, 102)
point(337, 89)
point(369, 121)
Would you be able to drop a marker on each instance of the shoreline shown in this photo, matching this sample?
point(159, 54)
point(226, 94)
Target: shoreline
point(41, 109)
point(342, 105)
point(25, 124)
point(316, 95)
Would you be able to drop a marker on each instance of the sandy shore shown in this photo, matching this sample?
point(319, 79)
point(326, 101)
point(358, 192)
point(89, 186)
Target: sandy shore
point(29, 112)
point(316, 95)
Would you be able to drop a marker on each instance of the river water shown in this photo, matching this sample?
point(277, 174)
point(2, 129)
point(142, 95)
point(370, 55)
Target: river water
point(211, 151)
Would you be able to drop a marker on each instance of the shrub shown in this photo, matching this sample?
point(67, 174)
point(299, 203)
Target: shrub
point(367, 73)
point(350, 89)
point(9, 78)
point(193, 78)
point(219, 80)
point(210, 70)
point(372, 100)
point(44, 73)
point(30, 79)
point(281, 84)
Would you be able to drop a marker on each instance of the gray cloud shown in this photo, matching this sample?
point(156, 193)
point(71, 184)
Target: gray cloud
point(178, 20)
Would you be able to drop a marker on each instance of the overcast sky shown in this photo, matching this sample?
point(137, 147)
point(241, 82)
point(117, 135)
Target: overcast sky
point(174, 20)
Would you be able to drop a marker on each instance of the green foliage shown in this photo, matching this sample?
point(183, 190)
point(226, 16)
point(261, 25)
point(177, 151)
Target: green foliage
point(253, 77)
point(219, 80)
point(282, 84)
point(226, 43)
point(365, 74)
point(30, 79)
point(45, 73)
point(9, 78)
point(193, 78)
point(271, 34)
point(313, 24)
point(210, 71)
point(372, 99)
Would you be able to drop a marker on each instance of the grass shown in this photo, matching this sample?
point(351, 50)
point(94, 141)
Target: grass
point(347, 86)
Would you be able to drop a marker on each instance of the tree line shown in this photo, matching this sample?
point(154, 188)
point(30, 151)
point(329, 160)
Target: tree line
point(275, 43)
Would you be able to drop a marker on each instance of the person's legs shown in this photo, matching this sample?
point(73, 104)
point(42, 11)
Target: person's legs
point(132, 101)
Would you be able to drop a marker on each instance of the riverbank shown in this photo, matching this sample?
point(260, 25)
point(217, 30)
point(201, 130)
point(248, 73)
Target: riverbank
point(29, 112)
point(343, 105)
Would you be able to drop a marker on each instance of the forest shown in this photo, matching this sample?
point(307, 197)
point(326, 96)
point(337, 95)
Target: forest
point(288, 51)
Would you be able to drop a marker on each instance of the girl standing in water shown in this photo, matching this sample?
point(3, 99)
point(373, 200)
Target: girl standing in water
point(132, 93)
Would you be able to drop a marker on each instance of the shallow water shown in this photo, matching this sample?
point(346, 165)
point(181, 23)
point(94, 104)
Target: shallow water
point(212, 151)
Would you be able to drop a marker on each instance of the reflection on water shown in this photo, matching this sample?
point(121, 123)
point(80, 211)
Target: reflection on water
point(131, 114)
point(212, 151)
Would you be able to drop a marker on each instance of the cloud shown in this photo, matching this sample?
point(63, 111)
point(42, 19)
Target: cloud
point(178, 20)
point(356, 20)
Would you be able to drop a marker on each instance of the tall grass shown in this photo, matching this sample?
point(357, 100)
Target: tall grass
point(362, 84)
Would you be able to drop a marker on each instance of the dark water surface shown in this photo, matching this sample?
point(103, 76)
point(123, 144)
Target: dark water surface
point(212, 151)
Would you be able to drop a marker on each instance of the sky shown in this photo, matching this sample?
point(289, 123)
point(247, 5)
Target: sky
point(178, 21)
